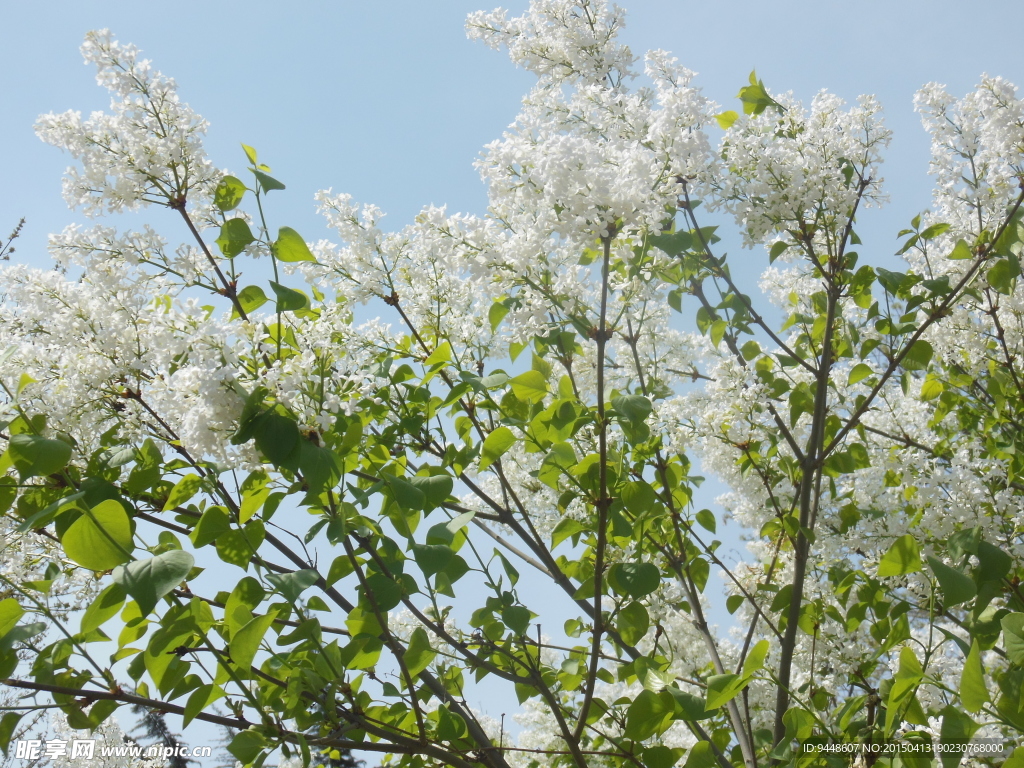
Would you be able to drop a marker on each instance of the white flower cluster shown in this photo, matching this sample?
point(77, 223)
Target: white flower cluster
point(426, 269)
point(585, 153)
point(560, 41)
point(797, 176)
point(149, 149)
point(977, 152)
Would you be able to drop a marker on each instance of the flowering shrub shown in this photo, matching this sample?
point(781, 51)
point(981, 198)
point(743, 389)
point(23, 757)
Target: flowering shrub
point(320, 526)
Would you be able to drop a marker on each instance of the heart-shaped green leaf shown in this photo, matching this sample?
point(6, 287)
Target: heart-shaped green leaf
point(147, 581)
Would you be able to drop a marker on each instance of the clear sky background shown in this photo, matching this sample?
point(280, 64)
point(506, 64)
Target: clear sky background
point(390, 102)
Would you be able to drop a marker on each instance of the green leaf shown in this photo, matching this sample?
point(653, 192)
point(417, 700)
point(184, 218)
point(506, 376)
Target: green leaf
point(918, 356)
point(246, 746)
point(723, 689)
point(637, 497)
point(675, 299)
point(418, 654)
point(435, 489)
point(409, 497)
point(35, 456)
point(237, 546)
point(799, 724)
point(994, 564)
point(20, 634)
point(290, 246)
point(251, 416)
point(661, 756)
point(459, 522)
point(496, 314)
point(246, 641)
point(648, 714)
point(289, 299)
point(906, 678)
point(706, 519)
point(363, 622)
point(213, 523)
point(100, 538)
point(24, 381)
point(701, 755)
point(276, 437)
point(10, 614)
point(432, 558)
point(383, 592)
point(229, 193)
point(254, 494)
point(931, 389)
point(319, 466)
point(251, 298)
point(267, 183)
point(961, 251)
point(672, 243)
point(904, 556)
point(633, 622)
point(726, 119)
point(634, 579)
point(755, 659)
point(688, 706)
point(530, 386)
point(495, 445)
point(182, 491)
point(954, 735)
point(859, 372)
point(755, 97)
point(147, 581)
point(443, 354)
point(565, 528)
point(636, 408)
point(201, 698)
point(250, 153)
point(7, 725)
point(234, 236)
point(973, 693)
point(1013, 637)
point(778, 248)
point(517, 618)
point(243, 600)
point(1002, 275)
point(718, 329)
point(956, 587)
point(1015, 760)
point(929, 233)
point(733, 602)
point(103, 607)
point(293, 584)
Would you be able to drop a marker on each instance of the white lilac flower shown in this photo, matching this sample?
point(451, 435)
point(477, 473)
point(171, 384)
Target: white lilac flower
point(147, 149)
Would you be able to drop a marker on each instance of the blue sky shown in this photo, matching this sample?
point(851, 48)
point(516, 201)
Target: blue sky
point(390, 102)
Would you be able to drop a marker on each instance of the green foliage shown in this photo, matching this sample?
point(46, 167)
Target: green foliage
point(153, 578)
point(100, 538)
point(290, 246)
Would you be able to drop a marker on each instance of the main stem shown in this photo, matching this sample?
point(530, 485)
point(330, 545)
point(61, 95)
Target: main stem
point(603, 501)
point(811, 469)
